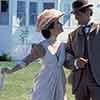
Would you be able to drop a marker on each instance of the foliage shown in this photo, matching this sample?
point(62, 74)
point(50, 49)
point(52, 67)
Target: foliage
point(5, 57)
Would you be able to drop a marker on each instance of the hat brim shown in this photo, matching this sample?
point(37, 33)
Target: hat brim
point(47, 17)
point(52, 20)
point(84, 6)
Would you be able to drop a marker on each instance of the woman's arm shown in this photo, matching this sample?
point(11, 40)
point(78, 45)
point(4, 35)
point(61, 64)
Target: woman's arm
point(37, 51)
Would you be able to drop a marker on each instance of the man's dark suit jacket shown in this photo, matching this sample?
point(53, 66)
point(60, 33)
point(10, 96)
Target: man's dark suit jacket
point(76, 45)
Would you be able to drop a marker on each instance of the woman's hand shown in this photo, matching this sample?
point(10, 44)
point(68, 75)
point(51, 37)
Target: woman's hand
point(82, 62)
point(6, 70)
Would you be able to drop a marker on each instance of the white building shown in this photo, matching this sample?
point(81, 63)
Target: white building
point(23, 13)
point(19, 16)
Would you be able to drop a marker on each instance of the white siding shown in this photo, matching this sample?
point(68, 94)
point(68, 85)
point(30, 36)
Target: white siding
point(5, 39)
point(5, 34)
point(20, 50)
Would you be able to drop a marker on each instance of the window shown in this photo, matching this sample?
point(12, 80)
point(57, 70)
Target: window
point(4, 6)
point(32, 13)
point(48, 5)
point(4, 12)
point(21, 14)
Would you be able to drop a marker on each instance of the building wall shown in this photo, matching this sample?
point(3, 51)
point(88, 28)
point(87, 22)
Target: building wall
point(5, 33)
point(19, 50)
point(9, 32)
point(9, 39)
point(5, 39)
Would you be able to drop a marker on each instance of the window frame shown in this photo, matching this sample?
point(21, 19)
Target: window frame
point(4, 15)
point(34, 15)
point(48, 3)
point(21, 15)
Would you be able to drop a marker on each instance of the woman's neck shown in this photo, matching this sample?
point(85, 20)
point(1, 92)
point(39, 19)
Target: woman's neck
point(52, 39)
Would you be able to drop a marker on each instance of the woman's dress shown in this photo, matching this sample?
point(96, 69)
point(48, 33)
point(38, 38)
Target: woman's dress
point(50, 82)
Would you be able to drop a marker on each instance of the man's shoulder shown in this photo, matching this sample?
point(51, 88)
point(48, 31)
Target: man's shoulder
point(99, 23)
point(96, 26)
point(74, 32)
point(96, 23)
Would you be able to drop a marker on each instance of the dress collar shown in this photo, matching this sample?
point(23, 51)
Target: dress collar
point(51, 40)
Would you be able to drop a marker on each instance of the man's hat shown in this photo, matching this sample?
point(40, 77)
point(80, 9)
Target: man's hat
point(80, 4)
point(47, 17)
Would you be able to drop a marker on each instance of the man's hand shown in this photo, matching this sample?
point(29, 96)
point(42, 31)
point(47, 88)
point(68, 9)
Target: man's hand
point(6, 70)
point(81, 62)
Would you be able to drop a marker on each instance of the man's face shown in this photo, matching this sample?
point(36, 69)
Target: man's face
point(82, 16)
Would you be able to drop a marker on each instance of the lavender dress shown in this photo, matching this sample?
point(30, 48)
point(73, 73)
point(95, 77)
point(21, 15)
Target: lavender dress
point(50, 82)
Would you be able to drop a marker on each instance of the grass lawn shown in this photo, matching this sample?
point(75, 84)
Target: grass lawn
point(18, 85)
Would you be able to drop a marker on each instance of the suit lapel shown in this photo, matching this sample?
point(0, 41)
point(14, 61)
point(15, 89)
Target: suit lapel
point(93, 27)
point(79, 42)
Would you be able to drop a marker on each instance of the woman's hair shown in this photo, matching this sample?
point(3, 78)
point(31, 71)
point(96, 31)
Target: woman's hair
point(46, 32)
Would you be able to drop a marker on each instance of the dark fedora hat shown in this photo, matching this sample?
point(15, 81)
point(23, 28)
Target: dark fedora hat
point(80, 4)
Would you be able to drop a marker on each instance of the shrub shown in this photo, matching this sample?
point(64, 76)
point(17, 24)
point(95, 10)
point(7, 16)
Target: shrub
point(5, 57)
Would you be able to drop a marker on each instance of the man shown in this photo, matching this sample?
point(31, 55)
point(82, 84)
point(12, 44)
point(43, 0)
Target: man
point(84, 56)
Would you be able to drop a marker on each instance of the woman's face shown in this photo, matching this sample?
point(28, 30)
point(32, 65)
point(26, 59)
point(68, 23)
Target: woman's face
point(57, 28)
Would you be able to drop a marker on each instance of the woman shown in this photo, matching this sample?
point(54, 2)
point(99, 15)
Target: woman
point(50, 82)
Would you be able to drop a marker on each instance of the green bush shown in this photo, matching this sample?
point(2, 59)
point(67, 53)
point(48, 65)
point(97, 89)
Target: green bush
point(5, 57)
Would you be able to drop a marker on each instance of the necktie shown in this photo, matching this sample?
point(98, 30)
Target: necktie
point(85, 54)
point(85, 45)
point(86, 29)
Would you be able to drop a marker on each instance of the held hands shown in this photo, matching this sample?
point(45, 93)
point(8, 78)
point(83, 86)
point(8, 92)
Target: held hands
point(81, 62)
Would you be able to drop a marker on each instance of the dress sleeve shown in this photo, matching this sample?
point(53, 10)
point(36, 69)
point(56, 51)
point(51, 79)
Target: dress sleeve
point(37, 51)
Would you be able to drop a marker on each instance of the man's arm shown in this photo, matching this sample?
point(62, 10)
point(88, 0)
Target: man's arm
point(71, 60)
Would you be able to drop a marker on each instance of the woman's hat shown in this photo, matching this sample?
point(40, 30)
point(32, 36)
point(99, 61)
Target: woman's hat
point(80, 4)
point(47, 17)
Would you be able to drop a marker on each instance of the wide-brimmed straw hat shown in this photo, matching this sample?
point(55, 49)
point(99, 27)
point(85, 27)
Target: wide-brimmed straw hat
point(47, 17)
point(80, 4)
